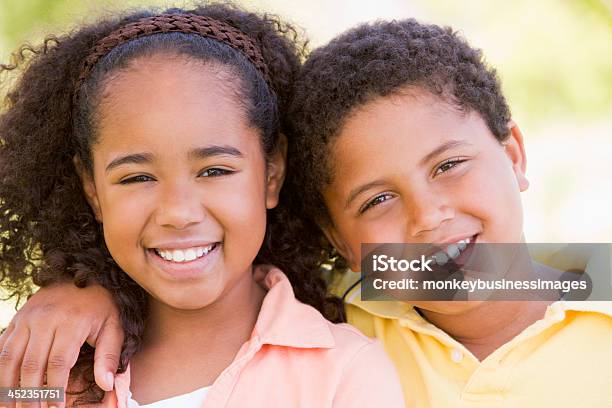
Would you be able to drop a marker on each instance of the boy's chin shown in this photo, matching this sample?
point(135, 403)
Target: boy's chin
point(446, 307)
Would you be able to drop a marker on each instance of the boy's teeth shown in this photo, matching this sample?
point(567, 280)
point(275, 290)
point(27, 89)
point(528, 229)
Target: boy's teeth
point(451, 252)
point(441, 258)
point(184, 255)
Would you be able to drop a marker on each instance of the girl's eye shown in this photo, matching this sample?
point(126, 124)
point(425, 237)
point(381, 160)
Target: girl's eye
point(375, 201)
point(447, 165)
point(137, 179)
point(215, 172)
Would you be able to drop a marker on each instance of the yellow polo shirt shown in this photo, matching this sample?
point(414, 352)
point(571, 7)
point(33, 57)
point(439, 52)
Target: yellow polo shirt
point(562, 360)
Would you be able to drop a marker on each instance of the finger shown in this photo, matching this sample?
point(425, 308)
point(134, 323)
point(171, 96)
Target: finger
point(62, 357)
point(107, 354)
point(6, 332)
point(35, 361)
point(11, 357)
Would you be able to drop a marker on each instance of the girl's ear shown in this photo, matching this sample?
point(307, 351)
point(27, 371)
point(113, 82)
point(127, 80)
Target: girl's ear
point(276, 172)
point(334, 237)
point(89, 187)
point(516, 153)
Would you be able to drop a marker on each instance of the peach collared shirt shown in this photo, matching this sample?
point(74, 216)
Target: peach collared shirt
point(296, 358)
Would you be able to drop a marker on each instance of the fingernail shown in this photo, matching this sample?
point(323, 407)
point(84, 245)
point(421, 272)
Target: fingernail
point(109, 380)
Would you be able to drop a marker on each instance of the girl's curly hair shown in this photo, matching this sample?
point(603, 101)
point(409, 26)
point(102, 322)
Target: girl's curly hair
point(367, 62)
point(48, 232)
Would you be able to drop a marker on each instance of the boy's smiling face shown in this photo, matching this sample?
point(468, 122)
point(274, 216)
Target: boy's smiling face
point(412, 168)
point(180, 181)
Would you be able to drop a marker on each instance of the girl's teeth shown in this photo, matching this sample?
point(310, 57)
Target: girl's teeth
point(179, 255)
point(190, 255)
point(462, 244)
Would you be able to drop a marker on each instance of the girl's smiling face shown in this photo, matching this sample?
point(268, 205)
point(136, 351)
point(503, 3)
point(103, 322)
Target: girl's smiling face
point(180, 181)
point(411, 168)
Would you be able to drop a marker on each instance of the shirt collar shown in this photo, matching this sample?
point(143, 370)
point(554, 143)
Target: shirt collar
point(603, 307)
point(283, 320)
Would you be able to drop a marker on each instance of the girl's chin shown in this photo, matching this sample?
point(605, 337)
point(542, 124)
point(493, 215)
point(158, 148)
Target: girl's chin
point(178, 301)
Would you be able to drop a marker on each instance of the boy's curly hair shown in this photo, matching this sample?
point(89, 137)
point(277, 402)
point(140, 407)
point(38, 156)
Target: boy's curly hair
point(48, 232)
point(367, 62)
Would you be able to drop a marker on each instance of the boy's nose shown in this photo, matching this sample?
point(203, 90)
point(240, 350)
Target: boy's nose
point(427, 212)
point(179, 207)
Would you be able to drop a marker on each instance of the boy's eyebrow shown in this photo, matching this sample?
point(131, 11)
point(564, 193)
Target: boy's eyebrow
point(438, 150)
point(135, 158)
point(358, 190)
point(441, 149)
point(214, 150)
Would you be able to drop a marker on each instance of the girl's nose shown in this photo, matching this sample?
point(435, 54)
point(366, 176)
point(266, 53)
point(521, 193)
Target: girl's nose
point(427, 212)
point(179, 207)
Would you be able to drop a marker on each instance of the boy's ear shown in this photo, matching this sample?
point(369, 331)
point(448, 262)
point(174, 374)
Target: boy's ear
point(332, 235)
point(276, 172)
point(516, 153)
point(89, 187)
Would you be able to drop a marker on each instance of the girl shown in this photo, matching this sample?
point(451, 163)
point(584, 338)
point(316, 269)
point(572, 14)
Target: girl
point(400, 133)
point(144, 154)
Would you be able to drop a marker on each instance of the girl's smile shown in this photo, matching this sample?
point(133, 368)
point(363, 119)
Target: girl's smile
point(186, 262)
point(185, 254)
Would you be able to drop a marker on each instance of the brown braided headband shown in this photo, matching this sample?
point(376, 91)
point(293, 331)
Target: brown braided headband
point(182, 23)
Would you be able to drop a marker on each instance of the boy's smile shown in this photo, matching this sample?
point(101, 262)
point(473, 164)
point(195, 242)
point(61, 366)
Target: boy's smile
point(412, 168)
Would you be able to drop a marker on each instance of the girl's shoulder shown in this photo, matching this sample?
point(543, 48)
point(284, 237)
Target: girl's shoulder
point(300, 342)
point(359, 369)
point(356, 352)
point(351, 341)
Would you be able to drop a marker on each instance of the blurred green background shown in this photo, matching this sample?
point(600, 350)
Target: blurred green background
point(554, 58)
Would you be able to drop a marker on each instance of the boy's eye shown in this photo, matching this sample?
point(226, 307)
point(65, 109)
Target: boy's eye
point(375, 201)
point(215, 172)
point(447, 165)
point(137, 179)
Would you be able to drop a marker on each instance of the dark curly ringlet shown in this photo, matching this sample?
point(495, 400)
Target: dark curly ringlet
point(48, 232)
point(371, 61)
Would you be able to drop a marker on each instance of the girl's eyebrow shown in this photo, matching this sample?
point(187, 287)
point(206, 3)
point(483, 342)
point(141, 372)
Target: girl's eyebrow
point(199, 153)
point(135, 158)
point(214, 150)
point(441, 149)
